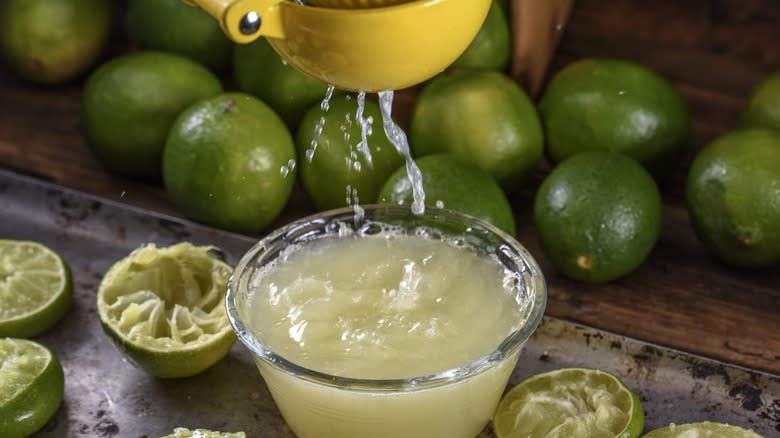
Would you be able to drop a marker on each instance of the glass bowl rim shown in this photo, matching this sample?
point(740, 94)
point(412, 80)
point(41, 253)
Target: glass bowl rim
point(511, 344)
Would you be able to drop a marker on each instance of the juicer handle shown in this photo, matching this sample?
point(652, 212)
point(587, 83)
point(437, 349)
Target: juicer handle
point(243, 21)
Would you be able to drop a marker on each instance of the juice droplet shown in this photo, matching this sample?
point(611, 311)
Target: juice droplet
point(324, 106)
point(365, 128)
point(320, 126)
point(354, 200)
point(287, 168)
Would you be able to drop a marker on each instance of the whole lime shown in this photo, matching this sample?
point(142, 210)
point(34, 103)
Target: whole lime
point(615, 105)
point(597, 215)
point(456, 185)
point(227, 163)
point(260, 71)
point(52, 41)
point(733, 194)
point(482, 117)
point(175, 27)
point(130, 103)
point(330, 160)
point(492, 47)
point(763, 106)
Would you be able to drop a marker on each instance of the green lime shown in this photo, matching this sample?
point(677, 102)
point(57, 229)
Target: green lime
point(456, 185)
point(570, 402)
point(230, 162)
point(52, 41)
point(598, 216)
point(35, 288)
point(733, 194)
point(181, 432)
point(492, 47)
point(130, 103)
point(32, 385)
point(763, 106)
point(704, 429)
point(175, 27)
point(482, 117)
point(337, 165)
point(164, 308)
point(618, 106)
point(260, 71)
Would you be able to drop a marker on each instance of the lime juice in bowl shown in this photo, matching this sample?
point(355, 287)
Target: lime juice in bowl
point(386, 324)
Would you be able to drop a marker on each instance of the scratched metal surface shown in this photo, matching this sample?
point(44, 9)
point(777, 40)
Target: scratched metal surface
point(105, 396)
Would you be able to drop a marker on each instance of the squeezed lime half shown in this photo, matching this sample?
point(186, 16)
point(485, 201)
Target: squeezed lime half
point(704, 429)
point(35, 288)
point(164, 309)
point(570, 402)
point(181, 432)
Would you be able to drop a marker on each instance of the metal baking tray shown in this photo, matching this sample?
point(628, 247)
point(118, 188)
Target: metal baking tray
point(105, 396)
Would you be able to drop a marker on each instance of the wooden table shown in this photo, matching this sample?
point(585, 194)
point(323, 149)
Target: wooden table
point(713, 51)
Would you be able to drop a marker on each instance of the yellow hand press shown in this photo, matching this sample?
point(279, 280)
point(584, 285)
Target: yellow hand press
point(357, 45)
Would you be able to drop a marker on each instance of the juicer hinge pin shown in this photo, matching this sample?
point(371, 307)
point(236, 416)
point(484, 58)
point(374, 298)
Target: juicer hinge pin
point(250, 23)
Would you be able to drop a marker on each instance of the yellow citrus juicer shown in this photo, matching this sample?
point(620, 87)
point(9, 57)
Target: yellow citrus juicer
point(357, 45)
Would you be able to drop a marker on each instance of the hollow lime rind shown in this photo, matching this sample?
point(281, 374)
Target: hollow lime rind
point(181, 432)
point(703, 429)
point(169, 360)
point(31, 408)
point(38, 320)
point(634, 424)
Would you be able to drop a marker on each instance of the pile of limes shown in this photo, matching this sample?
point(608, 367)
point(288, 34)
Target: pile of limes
point(229, 129)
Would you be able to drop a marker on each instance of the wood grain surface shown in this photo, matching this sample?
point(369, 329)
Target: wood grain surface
point(713, 51)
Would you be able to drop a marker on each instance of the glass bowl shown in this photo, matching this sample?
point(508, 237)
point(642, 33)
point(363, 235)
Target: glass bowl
point(453, 403)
